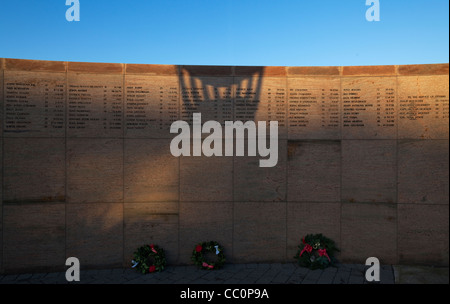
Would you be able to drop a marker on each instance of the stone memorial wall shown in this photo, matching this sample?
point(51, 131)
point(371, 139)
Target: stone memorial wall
point(86, 167)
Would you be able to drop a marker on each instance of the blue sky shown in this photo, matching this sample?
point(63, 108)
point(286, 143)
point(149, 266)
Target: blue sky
point(228, 32)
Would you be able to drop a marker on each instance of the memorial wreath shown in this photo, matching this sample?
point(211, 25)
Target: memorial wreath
point(149, 258)
point(198, 255)
point(316, 251)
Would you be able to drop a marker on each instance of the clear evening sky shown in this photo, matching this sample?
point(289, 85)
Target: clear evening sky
point(228, 32)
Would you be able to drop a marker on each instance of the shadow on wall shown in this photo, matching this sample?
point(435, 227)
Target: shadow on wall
point(217, 94)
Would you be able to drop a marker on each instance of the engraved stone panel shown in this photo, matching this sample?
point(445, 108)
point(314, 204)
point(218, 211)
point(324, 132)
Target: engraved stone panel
point(151, 223)
point(34, 169)
point(203, 222)
point(423, 171)
point(369, 108)
point(424, 234)
point(261, 99)
point(314, 108)
point(369, 230)
point(34, 104)
point(95, 234)
point(95, 105)
point(151, 173)
point(33, 237)
point(151, 105)
point(259, 233)
point(210, 96)
point(309, 218)
point(314, 171)
point(94, 170)
point(369, 171)
point(423, 107)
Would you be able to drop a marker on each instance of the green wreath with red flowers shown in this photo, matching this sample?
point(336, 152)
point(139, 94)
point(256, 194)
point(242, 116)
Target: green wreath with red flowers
point(149, 258)
point(316, 252)
point(199, 259)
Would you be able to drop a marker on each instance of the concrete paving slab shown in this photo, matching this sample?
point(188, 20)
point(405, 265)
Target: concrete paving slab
point(420, 274)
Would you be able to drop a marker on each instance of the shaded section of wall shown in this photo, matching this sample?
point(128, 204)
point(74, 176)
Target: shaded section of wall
point(1, 162)
point(87, 169)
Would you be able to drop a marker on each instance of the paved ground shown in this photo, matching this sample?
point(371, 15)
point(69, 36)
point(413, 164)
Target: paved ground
point(421, 275)
point(288, 273)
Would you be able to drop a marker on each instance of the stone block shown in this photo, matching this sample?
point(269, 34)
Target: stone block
point(206, 178)
point(34, 65)
point(210, 70)
point(34, 170)
point(255, 183)
point(377, 70)
point(152, 69)
point(266, 71)
point(314, 171)
point(259, 232)
point(368, 230)
point(314, 71)
point(424, 234)
point(151, 172)
point(423, 171)
point(423, 69)
point(1, 206)
point(1, 97)
point(312, 218)
point(204, 222)
point(95, 67)
point(94, 170)
point(94, 234)
point(369, 171)
point(33, 237)
point(151, 223)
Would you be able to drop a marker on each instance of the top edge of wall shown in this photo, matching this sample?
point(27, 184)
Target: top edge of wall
point(101, 68)
point(34, 65)
point(423, 69)
point(208, 70)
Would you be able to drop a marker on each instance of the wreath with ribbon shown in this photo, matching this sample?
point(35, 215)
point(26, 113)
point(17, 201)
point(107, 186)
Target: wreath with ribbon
point(316, 252)
point(199, 259)
point(149, 258)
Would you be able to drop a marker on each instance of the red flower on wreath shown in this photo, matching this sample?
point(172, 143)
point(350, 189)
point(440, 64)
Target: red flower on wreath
point(152, 269)
point(308, 248)
point(323, 252)
point(152, 247)
point(199, 248)
point(207, 265)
